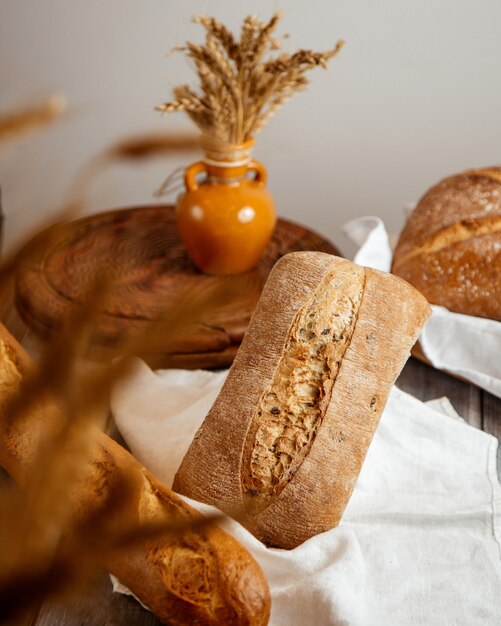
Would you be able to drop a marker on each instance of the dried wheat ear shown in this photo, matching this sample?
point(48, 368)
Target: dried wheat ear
point(240, 86)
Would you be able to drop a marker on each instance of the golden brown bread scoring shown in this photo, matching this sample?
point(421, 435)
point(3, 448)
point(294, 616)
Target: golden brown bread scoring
point(285, 440)
point(450, 248)
point(200, 577)
point(290, 411)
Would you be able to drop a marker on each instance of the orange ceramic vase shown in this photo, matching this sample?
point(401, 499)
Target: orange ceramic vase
point(226, 219)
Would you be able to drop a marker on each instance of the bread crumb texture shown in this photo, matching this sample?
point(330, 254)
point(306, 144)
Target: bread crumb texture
point(11, 380)
point(10, 374)
point(292, 407)
point(205, 570)
point(184, 560)
point(452, 235)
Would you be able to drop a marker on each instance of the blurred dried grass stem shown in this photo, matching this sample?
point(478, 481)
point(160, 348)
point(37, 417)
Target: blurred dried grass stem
point(16, 123)
point(51, 415)
point(136, 149)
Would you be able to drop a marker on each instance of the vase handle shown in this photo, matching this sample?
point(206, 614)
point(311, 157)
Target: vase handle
point(190, 176)
point(259, 168)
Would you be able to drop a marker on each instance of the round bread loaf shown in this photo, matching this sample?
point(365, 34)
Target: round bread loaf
point(450, 248)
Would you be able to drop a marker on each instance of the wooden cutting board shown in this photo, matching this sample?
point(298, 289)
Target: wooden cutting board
point(151, 272)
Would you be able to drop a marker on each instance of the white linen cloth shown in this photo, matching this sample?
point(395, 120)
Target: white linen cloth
point(464, 345)
point(420, 541)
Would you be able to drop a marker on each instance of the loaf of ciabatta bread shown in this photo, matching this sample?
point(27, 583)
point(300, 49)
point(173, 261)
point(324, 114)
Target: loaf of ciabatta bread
point(284, 442)
point(450, 247)
point(198, 577)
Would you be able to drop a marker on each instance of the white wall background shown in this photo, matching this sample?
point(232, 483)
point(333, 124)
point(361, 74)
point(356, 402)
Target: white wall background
point(415, 95)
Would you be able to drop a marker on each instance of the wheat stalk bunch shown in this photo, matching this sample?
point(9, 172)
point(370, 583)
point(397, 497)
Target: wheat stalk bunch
point(241, 85)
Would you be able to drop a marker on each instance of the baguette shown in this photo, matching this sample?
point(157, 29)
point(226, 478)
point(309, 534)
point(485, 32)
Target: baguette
point(285, 440)
point(450, 247)
point(199, 577)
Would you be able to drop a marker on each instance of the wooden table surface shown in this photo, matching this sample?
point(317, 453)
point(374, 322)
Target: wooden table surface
point(97, 605)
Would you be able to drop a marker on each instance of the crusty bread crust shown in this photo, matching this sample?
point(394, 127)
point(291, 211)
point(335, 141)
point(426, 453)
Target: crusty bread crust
point(199, 577)
point(388, 320)
point(293, 406)
point(450, 247)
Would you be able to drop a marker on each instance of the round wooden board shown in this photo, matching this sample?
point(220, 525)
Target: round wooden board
point(151, 272)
